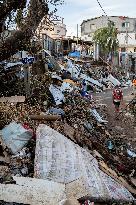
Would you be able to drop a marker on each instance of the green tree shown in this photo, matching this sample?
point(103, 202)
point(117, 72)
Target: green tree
point(27, 24)
point(106, 38)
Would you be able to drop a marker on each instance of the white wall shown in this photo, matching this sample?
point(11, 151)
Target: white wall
point(59, 30)
point(90, 26)
point(131, 39)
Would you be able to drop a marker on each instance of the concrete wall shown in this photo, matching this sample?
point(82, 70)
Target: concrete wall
point(33, 191)
point(90, 26)
point(57, 30)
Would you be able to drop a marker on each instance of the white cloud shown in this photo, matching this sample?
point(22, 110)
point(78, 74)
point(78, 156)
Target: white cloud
point(78, 2)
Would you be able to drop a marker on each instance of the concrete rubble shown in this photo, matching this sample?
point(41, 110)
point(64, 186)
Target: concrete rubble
point(57, 147)
point(65, 162)
point(33, 191)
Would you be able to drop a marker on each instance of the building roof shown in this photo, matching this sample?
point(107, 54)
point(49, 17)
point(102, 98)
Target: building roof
point(107, 17)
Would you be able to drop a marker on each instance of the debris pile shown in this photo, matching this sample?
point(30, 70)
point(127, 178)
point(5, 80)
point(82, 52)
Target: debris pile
point(67, 106)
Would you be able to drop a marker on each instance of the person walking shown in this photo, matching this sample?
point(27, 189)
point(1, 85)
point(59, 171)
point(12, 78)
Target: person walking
point(134, 85)
point(117, 96)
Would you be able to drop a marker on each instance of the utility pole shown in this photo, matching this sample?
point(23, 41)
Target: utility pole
point(27, 79)
point(77, 34)
point(62, 46)
point(126, 55)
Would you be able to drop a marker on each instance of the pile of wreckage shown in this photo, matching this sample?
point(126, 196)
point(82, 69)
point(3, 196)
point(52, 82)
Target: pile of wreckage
point(97, 78)
point(55, 147)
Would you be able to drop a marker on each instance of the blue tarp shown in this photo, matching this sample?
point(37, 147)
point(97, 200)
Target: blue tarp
point(74, 54)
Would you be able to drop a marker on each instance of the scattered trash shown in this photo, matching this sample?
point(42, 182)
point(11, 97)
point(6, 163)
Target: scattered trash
point(57, 93)
point(113, 80)
point(97, 116)
point(88, 126)
point(45, 117)
point(110, 144)
point(131, 154)
point(15, 136)
point(55, 111)
point(68, 112)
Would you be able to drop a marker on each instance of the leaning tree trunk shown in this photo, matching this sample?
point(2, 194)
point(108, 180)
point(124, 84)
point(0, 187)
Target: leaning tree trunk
point(18, 41)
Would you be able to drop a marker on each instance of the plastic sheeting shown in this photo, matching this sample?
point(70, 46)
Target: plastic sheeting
point(113, 80)
point(67, 87)
point(73, 69)
point(15, 136)
point(56, 91)
point(59, 159)
point(91, 80)
point(97, 116)
point(9, 65)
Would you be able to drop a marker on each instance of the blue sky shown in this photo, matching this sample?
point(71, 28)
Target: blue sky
point(75, 11)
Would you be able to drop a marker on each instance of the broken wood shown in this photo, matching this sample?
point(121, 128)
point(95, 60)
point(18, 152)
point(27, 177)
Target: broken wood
point(114, 175)
point(69, 131)
point(13, 99)
point(45, 117)
point(133, 180)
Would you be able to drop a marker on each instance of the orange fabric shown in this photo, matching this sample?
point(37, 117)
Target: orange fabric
point(70, 82)
point(134, 82)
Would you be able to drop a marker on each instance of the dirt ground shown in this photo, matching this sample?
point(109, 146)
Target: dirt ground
point(125, 126)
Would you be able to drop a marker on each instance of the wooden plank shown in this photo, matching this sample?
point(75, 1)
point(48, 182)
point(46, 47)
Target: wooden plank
point(114, 175)
point(12, 99)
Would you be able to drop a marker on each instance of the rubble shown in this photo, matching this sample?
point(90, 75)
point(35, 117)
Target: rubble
point(31, 191)
point(97, 116)
point(83, 120)
point(62, 164)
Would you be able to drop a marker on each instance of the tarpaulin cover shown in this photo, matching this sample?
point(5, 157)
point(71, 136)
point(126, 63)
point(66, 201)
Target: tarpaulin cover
point(74, 54)
point(61, 160)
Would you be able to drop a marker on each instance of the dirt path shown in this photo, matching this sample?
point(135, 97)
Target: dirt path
point(124, 127)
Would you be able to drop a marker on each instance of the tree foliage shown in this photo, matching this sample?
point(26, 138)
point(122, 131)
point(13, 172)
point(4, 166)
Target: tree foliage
point(27, 25)
point(107, 38)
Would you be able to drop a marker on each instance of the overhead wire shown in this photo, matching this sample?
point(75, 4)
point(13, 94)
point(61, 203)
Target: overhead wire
point(107, 15)
point(101, 7)
point(103, 10)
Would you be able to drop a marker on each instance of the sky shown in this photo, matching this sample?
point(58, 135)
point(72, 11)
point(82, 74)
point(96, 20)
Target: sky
point(75, 11)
